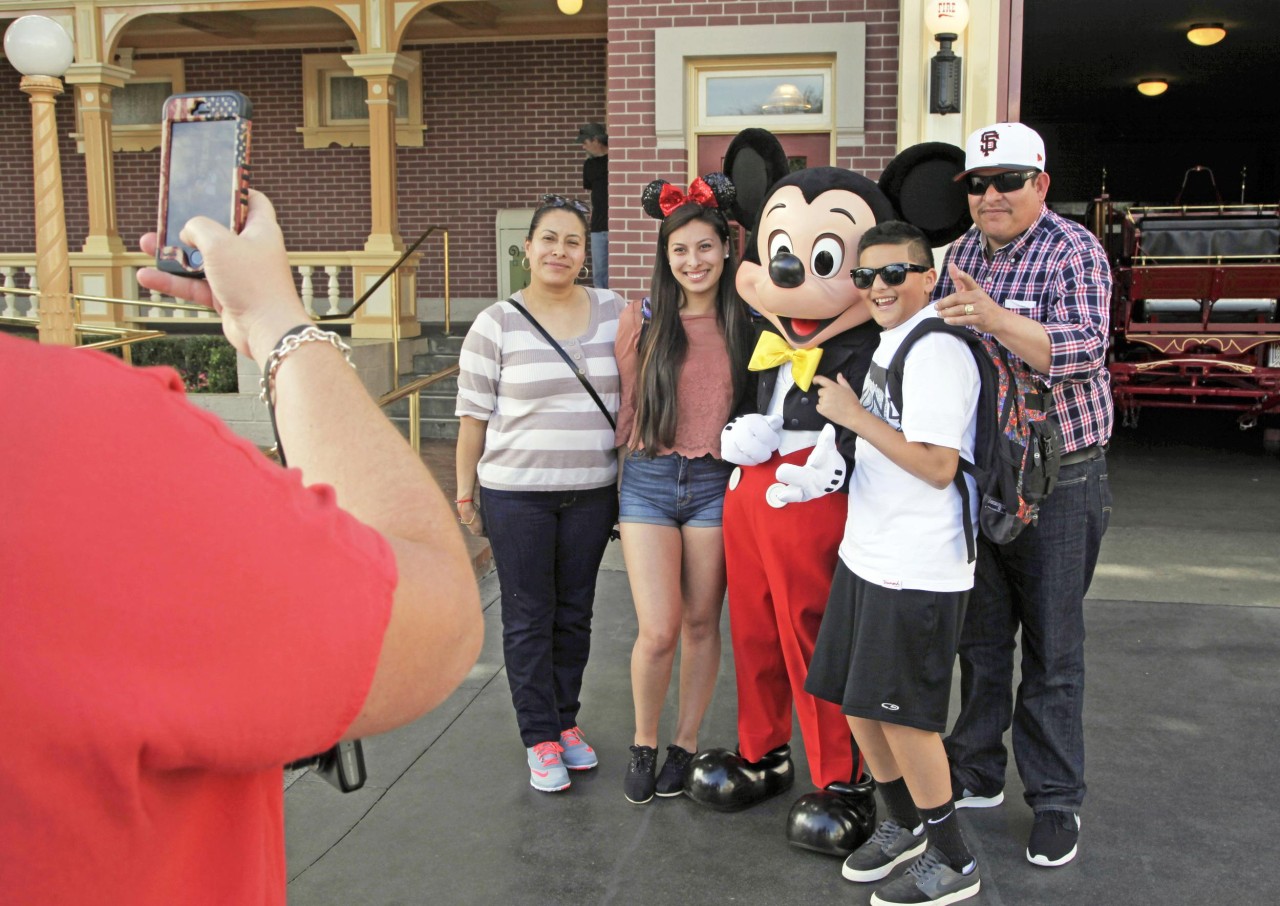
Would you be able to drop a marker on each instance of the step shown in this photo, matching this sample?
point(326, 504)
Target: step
point(430, 428)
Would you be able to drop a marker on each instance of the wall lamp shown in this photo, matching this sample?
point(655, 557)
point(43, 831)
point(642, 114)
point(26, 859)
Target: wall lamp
point(946, 21)
point(1153, 87)
point(569, 7)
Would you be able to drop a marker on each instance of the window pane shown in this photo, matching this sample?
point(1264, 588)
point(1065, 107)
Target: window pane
point(346, 98)
point(140, 104)
point(773, 95)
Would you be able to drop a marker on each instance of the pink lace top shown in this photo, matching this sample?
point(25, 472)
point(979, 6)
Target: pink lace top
point(704, 390)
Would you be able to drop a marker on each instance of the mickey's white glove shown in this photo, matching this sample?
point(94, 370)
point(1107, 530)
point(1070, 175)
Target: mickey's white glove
point(750, 439)
point(823, 472)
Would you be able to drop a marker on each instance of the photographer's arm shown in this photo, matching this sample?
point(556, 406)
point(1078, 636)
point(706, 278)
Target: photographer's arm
point(333, 431)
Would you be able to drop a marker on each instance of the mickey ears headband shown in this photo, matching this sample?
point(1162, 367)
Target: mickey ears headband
point(714, 190)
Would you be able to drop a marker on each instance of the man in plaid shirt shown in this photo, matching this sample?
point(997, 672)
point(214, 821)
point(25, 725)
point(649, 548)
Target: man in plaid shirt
point(1040, 286)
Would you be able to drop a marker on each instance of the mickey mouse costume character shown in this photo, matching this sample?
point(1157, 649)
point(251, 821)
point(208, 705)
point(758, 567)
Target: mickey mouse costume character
point(782, 519)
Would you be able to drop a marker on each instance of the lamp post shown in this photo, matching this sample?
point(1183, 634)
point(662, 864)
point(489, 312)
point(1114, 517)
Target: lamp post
point(946, 21)
point(41, 50)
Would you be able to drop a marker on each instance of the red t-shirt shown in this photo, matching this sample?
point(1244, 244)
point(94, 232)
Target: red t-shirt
point(179, 617)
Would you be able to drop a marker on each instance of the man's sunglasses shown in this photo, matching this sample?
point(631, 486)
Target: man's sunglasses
point(1009, 181)
point(559, 201)
point(891, 274)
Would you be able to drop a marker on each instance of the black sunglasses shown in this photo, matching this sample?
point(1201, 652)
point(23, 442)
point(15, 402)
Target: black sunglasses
point(559, 201)
point(892, 274)
point(1009, 181)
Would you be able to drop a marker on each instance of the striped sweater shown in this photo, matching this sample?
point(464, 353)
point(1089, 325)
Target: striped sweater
point(544, 431)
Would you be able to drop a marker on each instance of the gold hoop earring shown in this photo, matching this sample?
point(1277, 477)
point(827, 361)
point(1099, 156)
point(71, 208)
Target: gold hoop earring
point(584, 273)
point(524, 263)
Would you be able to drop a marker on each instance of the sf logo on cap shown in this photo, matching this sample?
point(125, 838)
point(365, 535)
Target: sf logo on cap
point(989, 140)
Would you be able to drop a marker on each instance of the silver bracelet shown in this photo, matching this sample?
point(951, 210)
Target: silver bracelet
point(290, 343)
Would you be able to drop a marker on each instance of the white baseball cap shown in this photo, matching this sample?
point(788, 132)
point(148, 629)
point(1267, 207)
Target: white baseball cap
point(1007, 146)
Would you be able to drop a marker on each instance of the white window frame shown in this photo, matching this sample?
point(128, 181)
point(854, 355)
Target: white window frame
point(319, 132)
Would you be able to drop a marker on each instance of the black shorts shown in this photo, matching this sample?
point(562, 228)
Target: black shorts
point(885, 654)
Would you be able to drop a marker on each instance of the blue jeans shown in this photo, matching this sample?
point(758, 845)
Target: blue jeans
point(547, 546)
point(600, 260)
point(1037, 583)
point(673, 490)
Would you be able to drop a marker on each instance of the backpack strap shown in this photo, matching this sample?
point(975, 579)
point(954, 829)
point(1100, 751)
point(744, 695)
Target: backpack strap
point(893, 385)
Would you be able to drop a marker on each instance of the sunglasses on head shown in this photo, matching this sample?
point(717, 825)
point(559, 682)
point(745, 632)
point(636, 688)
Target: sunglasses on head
point(891, 274)
point(559, 201)
point(1009, 181)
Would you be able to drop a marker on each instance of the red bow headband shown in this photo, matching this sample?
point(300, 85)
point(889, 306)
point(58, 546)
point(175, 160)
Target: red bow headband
point(699, 193)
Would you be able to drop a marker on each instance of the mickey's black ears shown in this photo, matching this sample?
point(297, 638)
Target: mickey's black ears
point(754, 161)
point(921, 184)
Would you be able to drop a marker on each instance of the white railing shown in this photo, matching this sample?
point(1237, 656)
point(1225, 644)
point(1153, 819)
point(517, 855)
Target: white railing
point(23, 276)
point(321, 277)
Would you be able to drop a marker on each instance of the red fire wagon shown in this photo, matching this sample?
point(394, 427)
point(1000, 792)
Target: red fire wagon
point(1193, 316)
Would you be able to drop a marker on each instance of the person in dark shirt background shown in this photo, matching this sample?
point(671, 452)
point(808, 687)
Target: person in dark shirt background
point(595, 176)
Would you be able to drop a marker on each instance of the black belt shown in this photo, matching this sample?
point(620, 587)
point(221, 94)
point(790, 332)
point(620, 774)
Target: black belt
point(1084, 454)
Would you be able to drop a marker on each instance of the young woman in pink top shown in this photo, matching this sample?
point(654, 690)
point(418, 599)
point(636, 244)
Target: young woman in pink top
point(682, 356)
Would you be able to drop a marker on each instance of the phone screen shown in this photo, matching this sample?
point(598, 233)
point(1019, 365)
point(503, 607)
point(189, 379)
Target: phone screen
point(202, 174)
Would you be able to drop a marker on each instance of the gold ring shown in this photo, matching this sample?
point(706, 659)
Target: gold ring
point(968, 309)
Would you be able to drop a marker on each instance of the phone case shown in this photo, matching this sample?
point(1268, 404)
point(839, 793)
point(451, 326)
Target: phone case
point(204, 170)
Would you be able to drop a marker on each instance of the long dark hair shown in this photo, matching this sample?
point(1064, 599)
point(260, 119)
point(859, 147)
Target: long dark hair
point(663, 344)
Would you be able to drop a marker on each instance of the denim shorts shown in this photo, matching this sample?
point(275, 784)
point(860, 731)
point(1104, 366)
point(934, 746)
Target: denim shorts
point(673, 490)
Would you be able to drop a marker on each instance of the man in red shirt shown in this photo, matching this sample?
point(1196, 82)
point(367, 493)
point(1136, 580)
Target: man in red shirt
point(182, 617)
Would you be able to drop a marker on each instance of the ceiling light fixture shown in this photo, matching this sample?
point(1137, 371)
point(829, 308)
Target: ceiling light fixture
point(1153, 87)
point(570, 7)
point(1206, 34)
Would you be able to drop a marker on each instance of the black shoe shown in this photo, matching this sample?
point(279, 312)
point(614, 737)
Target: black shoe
point(890, 846)
point(1053, 838)
point(930, 880)
point(835, 821)
point(671, 777)
point(639, 782)
point(727, 782)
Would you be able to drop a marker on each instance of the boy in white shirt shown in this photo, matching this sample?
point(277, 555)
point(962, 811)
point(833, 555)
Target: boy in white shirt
point(889, 637)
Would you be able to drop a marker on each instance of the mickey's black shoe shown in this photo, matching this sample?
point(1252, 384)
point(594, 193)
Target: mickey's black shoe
point(725, 781)
point(835, 821)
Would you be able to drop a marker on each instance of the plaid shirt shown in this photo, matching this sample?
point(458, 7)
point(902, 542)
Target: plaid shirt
point(1055, 273)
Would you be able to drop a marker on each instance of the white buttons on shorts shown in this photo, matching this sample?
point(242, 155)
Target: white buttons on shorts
point(734, 477)
point(771, 495)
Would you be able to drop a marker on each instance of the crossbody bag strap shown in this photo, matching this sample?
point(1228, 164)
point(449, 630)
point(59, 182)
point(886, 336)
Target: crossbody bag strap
point(568, 361)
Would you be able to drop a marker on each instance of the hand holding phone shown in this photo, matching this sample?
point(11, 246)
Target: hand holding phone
point(204, 171)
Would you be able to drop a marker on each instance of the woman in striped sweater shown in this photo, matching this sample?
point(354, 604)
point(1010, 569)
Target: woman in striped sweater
point(537, 471)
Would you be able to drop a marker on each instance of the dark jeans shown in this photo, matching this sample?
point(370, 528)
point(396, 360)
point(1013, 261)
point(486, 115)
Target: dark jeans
point(1036, 583)
point(547, 546)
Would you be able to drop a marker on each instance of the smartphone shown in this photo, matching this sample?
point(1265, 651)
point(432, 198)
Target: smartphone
point(204, 170)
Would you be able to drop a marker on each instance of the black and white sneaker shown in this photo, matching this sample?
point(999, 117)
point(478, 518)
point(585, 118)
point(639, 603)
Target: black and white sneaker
point(890, 846)
point(929, 879)
point(671, 777)
point(1054, 838)
point(967, 798)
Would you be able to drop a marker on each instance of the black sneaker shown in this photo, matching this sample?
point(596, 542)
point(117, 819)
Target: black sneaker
point(1053, 838)
point(890, 846)
point(671, 777)
point(963, 797)
point(639, 782)
point(929, 879)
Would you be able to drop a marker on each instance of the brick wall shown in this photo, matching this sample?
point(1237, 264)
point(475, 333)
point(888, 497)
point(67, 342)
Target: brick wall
point(501, 118)
point(501, 121)
point(634, 158)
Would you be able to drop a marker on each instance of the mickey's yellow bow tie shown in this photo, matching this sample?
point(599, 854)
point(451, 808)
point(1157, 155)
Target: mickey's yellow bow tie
point(771, 351)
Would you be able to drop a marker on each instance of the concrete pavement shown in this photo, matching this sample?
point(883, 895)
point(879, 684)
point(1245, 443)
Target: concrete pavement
point(1184, 623)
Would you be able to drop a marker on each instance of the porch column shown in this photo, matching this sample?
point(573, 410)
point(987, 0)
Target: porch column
point(383, 72)
point(98, 270)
